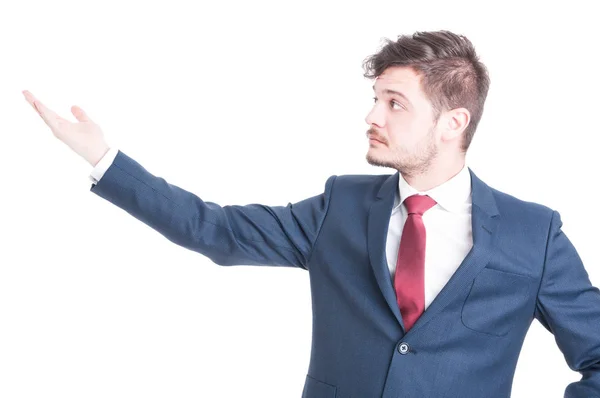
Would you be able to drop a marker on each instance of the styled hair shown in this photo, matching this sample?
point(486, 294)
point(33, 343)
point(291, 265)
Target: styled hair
point(451, 74)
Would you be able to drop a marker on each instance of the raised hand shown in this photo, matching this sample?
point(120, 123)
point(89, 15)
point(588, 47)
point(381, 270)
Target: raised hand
point(85, 138)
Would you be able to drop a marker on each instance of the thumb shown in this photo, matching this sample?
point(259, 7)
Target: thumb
point(80, 114)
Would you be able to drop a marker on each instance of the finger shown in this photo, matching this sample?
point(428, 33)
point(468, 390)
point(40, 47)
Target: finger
point(45, 111)
point(49, 116)
point(31, 99)
point(80, 114)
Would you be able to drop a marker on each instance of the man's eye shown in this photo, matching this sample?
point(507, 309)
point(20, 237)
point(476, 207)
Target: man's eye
point(392, 103)
point(396, 103)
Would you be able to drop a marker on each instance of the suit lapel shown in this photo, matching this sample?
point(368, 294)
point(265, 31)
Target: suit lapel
point(484, 221)
point(379, 220)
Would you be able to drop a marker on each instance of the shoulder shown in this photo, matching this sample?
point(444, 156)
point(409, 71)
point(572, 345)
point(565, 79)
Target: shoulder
point(362, 182)
point(520, 210)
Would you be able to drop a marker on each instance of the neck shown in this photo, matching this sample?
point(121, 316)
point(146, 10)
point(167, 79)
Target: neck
point(437, 174)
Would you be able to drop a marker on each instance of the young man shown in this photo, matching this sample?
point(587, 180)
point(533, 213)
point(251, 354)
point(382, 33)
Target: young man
point(424, 282)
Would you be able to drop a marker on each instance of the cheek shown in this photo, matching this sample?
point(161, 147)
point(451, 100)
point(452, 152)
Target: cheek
point(404, 130)
point(408, 136)
point(421, 124)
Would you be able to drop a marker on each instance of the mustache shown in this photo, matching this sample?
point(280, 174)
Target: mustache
point(371, 133)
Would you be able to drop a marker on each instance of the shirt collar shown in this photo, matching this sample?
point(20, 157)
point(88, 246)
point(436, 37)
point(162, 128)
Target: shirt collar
point(454, 195)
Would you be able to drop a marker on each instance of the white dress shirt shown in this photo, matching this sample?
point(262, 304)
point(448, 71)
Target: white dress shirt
point(103, 165)
point(447, 224)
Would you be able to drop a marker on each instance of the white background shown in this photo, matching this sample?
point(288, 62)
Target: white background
point(244, 102)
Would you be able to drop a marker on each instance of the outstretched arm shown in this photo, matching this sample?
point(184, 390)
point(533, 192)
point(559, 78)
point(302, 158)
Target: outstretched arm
point(253, 234)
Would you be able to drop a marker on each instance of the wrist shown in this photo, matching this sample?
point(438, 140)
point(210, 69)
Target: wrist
point(97, 155)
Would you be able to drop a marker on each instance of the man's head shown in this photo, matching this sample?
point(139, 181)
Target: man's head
point(430, 88)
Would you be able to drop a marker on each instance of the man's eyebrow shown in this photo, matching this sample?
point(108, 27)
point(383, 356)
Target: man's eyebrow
point(394, 92)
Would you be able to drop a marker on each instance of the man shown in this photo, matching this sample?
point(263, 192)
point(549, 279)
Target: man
point(424, 282)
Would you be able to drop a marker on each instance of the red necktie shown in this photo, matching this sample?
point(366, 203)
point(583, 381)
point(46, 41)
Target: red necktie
point(409, 280)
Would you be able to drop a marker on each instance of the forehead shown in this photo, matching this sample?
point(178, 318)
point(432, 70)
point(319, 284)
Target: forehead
point(400, 77)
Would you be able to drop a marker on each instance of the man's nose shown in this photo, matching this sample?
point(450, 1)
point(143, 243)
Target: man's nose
point(375, 117)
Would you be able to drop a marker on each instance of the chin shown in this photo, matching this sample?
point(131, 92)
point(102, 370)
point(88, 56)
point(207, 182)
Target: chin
point(374, 160)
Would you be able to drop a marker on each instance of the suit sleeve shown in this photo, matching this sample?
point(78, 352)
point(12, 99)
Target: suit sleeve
point(253, 234)
point(568, 306)
point(103, 165)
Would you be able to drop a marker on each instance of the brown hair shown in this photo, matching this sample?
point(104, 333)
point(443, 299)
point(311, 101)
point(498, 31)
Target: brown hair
point(452, 75)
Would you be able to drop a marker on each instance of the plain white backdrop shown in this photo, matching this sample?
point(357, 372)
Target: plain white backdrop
point(245, 102)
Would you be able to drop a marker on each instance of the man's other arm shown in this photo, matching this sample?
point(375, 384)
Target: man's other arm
point(568, 306)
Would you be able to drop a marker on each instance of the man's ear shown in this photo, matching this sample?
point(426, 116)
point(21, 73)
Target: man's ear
point(453, 123)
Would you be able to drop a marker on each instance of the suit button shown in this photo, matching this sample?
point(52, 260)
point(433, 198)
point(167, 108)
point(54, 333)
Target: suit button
point(403, 348)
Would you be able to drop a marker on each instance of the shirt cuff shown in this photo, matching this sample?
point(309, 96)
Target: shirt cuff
point(103, 165)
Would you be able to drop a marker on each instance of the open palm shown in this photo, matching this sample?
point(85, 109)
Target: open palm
point(85, 137)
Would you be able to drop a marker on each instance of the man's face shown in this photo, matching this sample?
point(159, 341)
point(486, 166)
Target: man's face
point(402, 118)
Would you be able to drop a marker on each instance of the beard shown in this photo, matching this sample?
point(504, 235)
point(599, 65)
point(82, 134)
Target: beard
point(408, 164)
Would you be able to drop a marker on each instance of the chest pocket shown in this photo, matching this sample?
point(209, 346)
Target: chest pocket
point(497, 301)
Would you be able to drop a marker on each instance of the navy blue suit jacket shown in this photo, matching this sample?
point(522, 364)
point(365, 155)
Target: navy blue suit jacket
point(466, 344)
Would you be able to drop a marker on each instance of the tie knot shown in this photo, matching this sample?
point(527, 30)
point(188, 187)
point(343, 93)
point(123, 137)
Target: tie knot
point(419, 204)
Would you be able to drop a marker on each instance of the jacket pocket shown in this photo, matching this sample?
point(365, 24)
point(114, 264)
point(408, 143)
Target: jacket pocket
point(496, 302)
point(314, 388)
